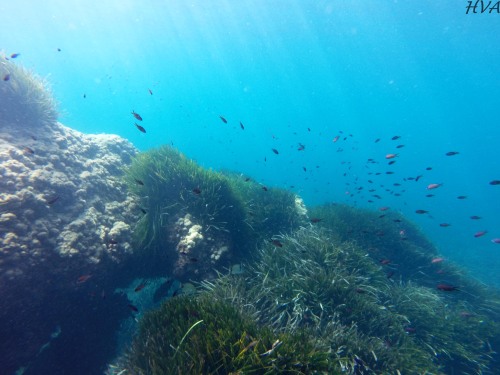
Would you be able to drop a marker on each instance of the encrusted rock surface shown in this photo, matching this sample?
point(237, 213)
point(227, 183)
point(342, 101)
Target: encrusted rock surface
point(61, 194)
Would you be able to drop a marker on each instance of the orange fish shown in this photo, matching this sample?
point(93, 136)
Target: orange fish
point(433, 186)
point(446, 287)
point(83, 279)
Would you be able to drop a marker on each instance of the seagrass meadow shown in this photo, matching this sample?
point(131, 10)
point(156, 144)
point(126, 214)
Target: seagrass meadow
point(327, 290)
point(196, 219)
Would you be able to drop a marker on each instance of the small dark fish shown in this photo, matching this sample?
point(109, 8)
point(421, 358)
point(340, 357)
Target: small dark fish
point(58, 50)
point(143, 211)
point(446, 287)
point(84, 96)
point(389, 274)
point(241, 126)
point(14, 55)
point(475, 217)
point(264, 188)
point(53, 200)
point(6, 77)
point(28, 150)
point(389, 172)
point(377, 140)
point(495, 182)
point(410, 330)
point(139, 182)
point(429, 195)
point(480, 233)
point(396, 137)
point(418, 177)
point(133, 308)
point(196, 191)
point(462, 197)
point(141, 129)
point(451, 153)
point(400, 146)
point(137, 116)
point(391, 162)
point(193, 260)
point(276, 243)
point(360, 291)
point(428, 169)
point(444, 225)
point(315, 220)
point(112, 241)
point(223, 119)
point(275, 151)
point(384, 261)
point(301, 147)
point(140, 287)
point(247, 179)
point(305, 169)
point(83, 279)
point(420, 212)
point(150, 92)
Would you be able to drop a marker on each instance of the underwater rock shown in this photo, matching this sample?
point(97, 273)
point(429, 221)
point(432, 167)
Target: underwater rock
point(64, 196)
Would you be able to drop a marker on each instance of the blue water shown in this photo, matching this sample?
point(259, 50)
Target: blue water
point(293, 72)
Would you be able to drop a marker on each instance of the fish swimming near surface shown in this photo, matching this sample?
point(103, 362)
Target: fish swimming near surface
point(242, 126)
point(396, 137)
point(433, 186)
point(495, 182)
point(315, 220)
point(391, 156)
point(150, 92)
point(496, 240)
point(136, 115)
point(141, 129)
point(223, 119)
point(451, 153)
point(475, 217)
point(275, 151)
point(480, 233)
point(420, 212)
point(444, 225)
point(14, 55)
